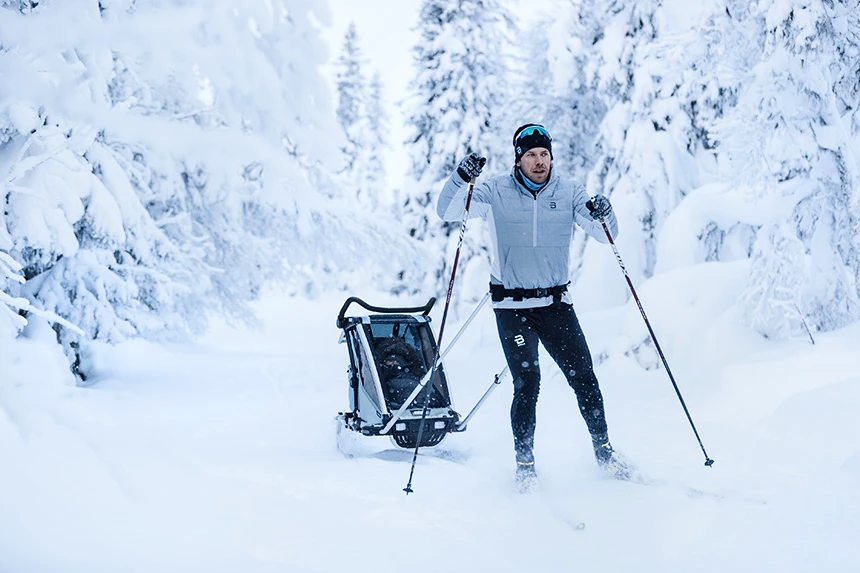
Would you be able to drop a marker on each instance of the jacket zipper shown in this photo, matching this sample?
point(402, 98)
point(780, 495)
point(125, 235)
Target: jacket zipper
point(535, 223)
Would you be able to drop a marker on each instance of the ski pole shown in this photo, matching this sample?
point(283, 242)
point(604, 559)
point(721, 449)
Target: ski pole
point(708, 461)
point(408, 488)
point(496, 381)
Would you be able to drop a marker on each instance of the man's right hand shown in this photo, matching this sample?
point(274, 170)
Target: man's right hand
point(471, 166)
point(599, 206)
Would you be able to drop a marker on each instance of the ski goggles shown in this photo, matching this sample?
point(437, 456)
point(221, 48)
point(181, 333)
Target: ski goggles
point(531, 130)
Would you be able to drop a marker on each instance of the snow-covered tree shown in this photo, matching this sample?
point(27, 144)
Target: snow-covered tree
point(558, 92)
point(790, 141)
point(657, 70)
point(735, 104)
point(551, 68)
point(362, 115)
point(455, 108)
point(22, 6)
point(375, 172)
point(352, 97)
point(148, 185)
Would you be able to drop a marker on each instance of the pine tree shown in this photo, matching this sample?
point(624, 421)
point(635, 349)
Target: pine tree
point(793, 147)
point(363, 119)
point(455, 109)
point(351, 97)
point(375, 174)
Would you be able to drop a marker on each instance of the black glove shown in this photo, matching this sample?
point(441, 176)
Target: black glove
point(599, 206)
point(471, 166)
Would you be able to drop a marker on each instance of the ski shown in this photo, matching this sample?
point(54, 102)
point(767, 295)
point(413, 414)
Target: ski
point(558, 514)
point(632, 475)
point(572, 523)
point(691, 492)
point(697, 493)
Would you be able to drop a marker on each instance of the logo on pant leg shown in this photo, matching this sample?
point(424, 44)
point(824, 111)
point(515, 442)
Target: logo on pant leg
point(520, 340)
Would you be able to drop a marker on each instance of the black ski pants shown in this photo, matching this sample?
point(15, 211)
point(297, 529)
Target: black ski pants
point(557, 328)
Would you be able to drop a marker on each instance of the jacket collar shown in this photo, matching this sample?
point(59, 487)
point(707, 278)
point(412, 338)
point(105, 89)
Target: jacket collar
point(521, 186)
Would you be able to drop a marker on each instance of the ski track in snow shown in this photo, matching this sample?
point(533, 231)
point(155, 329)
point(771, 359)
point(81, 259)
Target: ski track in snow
point(222, 456)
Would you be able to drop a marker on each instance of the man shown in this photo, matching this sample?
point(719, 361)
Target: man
point(531, 214)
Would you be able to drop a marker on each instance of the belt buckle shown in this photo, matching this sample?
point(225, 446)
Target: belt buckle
point(541, 292)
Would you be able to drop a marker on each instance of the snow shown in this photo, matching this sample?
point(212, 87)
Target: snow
point(220, 455)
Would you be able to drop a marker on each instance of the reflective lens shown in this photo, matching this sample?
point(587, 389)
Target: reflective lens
point(534, 129)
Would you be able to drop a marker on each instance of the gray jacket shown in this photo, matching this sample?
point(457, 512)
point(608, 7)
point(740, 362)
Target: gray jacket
point(531, 234)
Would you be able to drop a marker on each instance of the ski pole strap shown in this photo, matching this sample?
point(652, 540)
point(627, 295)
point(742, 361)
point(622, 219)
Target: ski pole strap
point(500, 293)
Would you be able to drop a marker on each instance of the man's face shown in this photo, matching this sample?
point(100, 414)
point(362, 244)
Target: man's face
point(535, 164)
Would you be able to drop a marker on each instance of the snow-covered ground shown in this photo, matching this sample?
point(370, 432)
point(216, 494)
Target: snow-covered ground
point(220, 456)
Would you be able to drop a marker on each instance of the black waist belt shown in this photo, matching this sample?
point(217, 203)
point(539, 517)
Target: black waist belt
point(499, 292)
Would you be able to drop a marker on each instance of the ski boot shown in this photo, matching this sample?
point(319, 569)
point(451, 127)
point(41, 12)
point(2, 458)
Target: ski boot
point(610, 462)
point(526, 477)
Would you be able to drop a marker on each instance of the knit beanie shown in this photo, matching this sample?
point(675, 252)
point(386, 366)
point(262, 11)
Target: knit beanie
point(529, 136)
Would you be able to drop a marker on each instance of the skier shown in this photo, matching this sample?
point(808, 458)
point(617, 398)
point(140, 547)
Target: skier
point(531, 214)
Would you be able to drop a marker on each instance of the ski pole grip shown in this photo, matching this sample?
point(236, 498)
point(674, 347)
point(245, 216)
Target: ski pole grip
point(590, 206)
